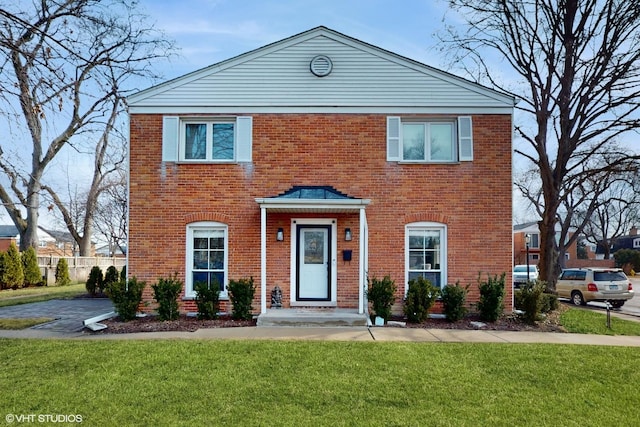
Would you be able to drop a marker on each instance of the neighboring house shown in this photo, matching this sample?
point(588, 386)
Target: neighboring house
point(8, 234)
point(630, 241)
point(520, 231)
point(313, 164)
point(110, 251)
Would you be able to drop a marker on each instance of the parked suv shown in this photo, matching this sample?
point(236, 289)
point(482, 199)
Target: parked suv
point(582, 285)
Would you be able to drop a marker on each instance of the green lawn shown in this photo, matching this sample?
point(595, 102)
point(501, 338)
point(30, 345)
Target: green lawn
point(37, 294)
point(580, 321)
point(22, 322)
point(176, 382)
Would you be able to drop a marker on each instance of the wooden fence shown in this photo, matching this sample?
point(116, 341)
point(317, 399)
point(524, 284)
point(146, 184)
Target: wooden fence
point(79, 267)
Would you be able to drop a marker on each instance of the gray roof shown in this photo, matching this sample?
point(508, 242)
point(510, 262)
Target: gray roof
point(8, 231)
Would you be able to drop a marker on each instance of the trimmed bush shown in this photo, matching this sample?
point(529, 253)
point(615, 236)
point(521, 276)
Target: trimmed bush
point(529, 299)
point(382, 295)
point(491, 298)
point(207, 300)
point(166, 293)
point(126, 297)
point(241, 294)
point(3, 262)
point(453, 302)
point(110, 276)
point(32, 274)
point(94, 281)
point(421, 296)
point(62, 273)
point(549, 302)
point(13, 274)
point(123, 273)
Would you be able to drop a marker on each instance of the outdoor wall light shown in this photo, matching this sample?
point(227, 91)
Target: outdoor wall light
point(280, 235)
point(347, 234)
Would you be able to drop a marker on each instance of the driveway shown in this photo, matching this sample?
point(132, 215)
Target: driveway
point(69, 313)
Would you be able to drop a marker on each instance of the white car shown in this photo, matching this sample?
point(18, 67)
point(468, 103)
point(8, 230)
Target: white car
point(582, 285)
point(520, 276)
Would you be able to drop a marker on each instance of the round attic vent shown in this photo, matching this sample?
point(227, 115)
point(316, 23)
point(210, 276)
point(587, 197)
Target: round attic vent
point(321, 65)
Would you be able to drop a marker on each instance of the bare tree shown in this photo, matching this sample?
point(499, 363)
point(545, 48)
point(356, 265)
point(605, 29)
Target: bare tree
point(111, 215)
point(65, 68)
point(617, 212)
point(578, 62)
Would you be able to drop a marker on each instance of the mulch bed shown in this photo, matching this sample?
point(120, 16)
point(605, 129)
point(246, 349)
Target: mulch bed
point(151, 323)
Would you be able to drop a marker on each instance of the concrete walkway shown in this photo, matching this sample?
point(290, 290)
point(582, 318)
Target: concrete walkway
point(71, 313)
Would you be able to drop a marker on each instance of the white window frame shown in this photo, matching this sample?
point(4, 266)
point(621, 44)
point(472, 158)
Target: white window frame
point(208, 226)
point(636, 243)
point(461, 139)
point(427, 226)
point(174, 138)
point(209, 122)
point(427, 124)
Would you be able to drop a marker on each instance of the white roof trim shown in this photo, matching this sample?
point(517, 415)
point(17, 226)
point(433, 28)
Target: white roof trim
point(280, 204)
point(319, 110)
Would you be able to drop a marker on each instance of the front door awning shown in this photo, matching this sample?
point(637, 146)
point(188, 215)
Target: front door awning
point(312, 199)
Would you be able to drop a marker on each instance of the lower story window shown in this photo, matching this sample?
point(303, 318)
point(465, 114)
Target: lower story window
point(206, 256)
point(425, 245)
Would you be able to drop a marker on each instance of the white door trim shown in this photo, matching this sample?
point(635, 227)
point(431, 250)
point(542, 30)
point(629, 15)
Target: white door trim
point(334, 264)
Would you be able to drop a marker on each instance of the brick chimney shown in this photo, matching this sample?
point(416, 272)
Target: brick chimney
point(633, 231)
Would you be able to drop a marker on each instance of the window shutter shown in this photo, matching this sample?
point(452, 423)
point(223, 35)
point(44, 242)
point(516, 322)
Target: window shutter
point(170, 137)
point(244, 135)
point(465, 139)
point(393, 139)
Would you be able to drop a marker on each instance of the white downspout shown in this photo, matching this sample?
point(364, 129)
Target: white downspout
point(361, 261)
point(263, 260)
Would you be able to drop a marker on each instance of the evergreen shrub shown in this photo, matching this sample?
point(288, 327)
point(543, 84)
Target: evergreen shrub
point(166, 293)
point(32, 274)
point(207, 299)
point(421, 296)
point(492, 292)
point(62, 273)
point(453, 302)
point(381, 294)
point(126, 297)
point(241, 294)
point(94, 281)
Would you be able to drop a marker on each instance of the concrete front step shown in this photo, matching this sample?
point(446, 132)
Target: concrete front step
point(312, 318)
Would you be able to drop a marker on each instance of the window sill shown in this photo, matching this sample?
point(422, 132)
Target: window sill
point(193, 298)
point(417, 162)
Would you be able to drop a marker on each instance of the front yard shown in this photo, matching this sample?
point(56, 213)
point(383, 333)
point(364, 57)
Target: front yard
point(175, 382)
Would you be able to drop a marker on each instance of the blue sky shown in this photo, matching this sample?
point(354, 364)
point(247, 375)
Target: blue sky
point(210, 31)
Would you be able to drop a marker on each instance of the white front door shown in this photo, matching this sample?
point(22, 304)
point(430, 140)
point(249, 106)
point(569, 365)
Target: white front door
point(313, 262)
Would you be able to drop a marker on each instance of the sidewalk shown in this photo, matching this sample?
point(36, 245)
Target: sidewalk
point(383, 334)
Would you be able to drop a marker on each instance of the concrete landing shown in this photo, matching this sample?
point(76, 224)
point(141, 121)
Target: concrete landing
point(302, 317)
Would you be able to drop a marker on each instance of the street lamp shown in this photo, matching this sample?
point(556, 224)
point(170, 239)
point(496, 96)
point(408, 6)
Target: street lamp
point(527, 240)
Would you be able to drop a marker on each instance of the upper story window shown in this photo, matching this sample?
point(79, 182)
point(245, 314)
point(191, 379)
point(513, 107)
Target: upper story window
point(201, 140)
point(214, 139)
point(636, 243)
point(429, 141)
point(534, 241)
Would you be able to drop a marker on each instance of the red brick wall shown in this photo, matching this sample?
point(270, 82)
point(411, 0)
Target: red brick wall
point(346, 151)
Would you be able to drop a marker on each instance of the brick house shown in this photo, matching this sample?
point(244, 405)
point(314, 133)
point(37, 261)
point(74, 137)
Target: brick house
point(313, 163)
point(532, 229)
